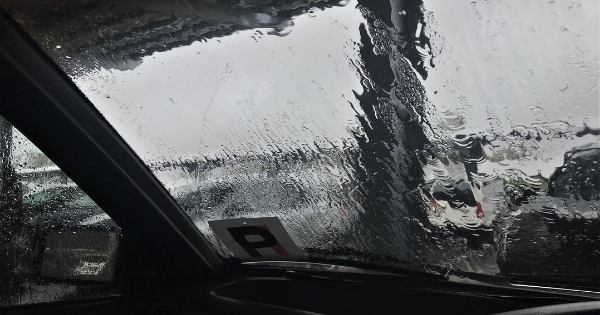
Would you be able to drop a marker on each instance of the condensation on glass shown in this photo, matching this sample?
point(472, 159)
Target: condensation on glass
point(453, 137)
point(41, 211)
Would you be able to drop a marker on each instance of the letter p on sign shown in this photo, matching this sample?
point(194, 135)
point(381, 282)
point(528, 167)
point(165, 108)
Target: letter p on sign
point(257, 239)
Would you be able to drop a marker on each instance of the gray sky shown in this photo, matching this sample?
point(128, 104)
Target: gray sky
point(241, 93)
point(532, 66)
point(526, 65)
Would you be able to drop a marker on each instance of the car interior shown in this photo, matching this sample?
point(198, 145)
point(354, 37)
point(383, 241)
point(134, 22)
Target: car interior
point(122, 194)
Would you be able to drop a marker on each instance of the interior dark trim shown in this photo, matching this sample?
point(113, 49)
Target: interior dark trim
point(45, 105)
point(267, 290)
point(109, 305)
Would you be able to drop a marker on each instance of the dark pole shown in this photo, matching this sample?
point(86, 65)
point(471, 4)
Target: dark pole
point(5, 148)
point(10, 186)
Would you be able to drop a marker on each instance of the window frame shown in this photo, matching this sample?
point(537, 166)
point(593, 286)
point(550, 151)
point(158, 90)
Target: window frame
point(46, 107)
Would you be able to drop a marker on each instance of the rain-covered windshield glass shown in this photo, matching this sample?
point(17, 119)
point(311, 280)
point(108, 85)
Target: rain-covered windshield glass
point(451, 137)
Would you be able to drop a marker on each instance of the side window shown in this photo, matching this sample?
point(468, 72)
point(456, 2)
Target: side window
point(56, 244)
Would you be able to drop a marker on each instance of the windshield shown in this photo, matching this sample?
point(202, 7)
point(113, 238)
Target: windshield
point(439, 136)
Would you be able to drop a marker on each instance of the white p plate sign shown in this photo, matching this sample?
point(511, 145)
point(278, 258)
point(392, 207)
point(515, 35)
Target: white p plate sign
point(257, 239)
